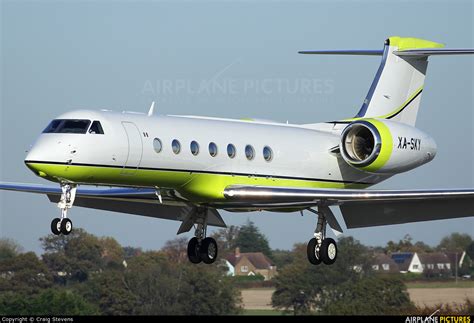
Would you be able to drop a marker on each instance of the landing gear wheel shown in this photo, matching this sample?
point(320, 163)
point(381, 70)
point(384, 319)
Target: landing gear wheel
point(66, 226)
point(193, 251)
point(208, 250)
point(56, 226)
point(328, 251)
point(313, 255)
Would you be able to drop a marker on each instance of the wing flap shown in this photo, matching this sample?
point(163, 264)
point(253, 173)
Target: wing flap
point(360, 215)
point(359, 207)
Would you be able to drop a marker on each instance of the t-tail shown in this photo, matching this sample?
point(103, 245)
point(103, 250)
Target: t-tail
point(396, 90)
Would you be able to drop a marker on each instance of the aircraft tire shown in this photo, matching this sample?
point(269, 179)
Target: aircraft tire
point(329, 251)
point(208, 250)
point(193, 251)
point(312, 253)
point(56, 226)
point(66, 226)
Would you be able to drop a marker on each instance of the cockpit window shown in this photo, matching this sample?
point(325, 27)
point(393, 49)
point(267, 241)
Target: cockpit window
point(96, 128)
point(53, 125)
point(67, 126)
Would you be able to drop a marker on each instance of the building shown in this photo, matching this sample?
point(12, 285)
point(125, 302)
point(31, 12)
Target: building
point(408, 262)
point(430, 264)
point(384, 264)
point(435, 264)
point(458, 258)
point(250, 264)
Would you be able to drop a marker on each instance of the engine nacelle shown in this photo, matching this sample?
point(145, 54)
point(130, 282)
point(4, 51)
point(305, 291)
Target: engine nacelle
point(385, 147)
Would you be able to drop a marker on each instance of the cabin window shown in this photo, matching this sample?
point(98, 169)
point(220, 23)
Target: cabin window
point(267, 153)
point(213, 149)
point(244, 269)
point(176, 146)
point(68, 126)
point(249, 152)
point(157, 145)
point(231, 150)
point(96, 128)
point(194, 148)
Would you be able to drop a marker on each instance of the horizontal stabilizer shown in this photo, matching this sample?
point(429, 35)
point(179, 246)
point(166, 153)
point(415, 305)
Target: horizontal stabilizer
point(434, 51)
point(370, 52)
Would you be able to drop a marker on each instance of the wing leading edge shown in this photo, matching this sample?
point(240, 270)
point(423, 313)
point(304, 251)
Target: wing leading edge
point(138, 201)
point(362, 208)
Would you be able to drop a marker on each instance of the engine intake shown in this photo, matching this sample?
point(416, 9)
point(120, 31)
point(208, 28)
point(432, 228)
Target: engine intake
point(385, 147)
point(361, 143)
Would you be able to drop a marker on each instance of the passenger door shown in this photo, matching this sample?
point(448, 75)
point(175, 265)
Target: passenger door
point(135, 148)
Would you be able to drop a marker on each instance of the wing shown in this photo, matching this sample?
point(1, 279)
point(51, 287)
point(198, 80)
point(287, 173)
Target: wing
point(360, 208)
point(139, 201)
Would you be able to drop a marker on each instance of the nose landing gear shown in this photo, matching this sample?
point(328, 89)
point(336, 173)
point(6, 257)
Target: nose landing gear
point(63, 225)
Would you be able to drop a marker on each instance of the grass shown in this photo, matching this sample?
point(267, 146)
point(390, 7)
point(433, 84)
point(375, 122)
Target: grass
point(438, 284)
point(262, 312)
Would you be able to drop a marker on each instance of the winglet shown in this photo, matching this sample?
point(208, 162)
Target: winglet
point(152, 109)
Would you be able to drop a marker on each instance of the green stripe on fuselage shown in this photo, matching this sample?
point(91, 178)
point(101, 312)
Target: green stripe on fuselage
point(197, 187)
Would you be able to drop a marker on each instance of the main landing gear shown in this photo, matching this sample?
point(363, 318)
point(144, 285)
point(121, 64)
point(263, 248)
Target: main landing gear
point(201, 248)
point(63, 225)
point(321, 248)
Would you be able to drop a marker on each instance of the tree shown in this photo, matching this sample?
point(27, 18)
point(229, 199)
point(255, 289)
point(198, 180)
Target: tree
point(129, 252)
point(9, 249)
point(407, 245)
point(207, 292)
point(156, 284)
point(299, 285)
point(111, 293)
point(166, 288)
point(455, 242)
point(366, 296)
point(73, 257)
point(227, 239)
point(112, 252)
point(250, 239)
point(176, 250)
point(470, 251)
point(48, 302)
point(282, 258)
point(24, 274)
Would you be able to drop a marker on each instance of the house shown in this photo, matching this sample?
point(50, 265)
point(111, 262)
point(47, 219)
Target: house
point(432, 263)
point(435, 263)
point(250, 264)
point(408, 262)
point(457, 257)
point(384, 264)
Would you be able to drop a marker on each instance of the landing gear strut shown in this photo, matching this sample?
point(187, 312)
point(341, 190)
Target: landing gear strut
point(64, 225)
point(321, 248)
point(201, 248)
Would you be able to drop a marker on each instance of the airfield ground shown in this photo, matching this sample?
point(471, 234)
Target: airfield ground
point(430, 294)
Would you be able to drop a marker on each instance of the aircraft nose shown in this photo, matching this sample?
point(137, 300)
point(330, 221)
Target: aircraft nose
point(32, 161)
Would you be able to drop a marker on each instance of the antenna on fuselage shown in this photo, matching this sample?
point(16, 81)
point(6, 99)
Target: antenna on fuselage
point(152, 109)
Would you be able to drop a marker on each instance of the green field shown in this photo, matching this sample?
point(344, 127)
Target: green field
point(262, 312)
point(448, 284)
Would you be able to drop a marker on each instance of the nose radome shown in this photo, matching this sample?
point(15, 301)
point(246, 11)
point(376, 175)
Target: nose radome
point(44, 152)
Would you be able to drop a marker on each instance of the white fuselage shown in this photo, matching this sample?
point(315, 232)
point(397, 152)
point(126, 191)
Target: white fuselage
point(301, 154)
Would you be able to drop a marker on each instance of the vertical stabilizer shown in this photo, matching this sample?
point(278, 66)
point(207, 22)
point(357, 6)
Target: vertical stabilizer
point(396, 90)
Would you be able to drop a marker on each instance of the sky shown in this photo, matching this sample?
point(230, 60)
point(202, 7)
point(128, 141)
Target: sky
point(232, 59)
